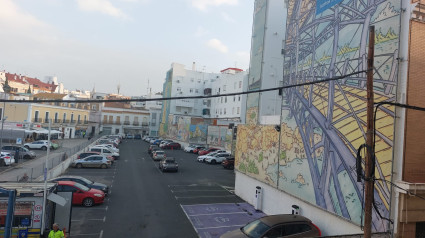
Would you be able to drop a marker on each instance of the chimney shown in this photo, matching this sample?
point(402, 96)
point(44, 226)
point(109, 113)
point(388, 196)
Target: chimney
point(193, 66)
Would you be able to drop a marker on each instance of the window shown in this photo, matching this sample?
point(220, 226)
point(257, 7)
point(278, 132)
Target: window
point(239, 98)
point(224, 111)
point(221, 111)
point(1, 113)
point(85, 118)
point(79, 118)
point(72, 118)
point(64, 117)
point(199, 81)
point(36, 116)
point(46, 118)
point(191, 90)
point(56, 117)
point(225, 99)
point(222, 100)
point(234, 98)
point(238, 111)
point(234, 86)
point(179, 89)
point(240, 84)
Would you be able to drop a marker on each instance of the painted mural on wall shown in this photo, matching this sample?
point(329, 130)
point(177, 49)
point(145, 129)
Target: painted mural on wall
point(323, 125)
point(198, 131)
point(163, 127)
point(220, 136)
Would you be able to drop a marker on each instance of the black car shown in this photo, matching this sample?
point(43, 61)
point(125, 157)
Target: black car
point(137, 137)
point(83, 181)
point(151, 147)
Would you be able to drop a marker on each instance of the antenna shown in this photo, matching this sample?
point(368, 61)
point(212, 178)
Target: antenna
point(118, 88)
point(147, 90)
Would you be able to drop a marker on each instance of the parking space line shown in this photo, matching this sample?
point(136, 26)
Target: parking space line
point(185, 191)
point(214, 227)
point(221, 213)
point(88, 220)
point(101, 234)
point(204, 197)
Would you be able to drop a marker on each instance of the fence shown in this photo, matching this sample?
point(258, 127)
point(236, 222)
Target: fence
point(55, 159)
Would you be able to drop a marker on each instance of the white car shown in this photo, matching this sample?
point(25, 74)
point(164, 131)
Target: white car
point(104, 151)
point(6, 158)
point(202, 158)
point(189, 148)
point(109, 146)
point(217, 158)
point(164, 142)
point(39, 144)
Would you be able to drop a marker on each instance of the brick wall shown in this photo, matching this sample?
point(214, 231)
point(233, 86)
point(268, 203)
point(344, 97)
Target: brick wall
point(414, 155)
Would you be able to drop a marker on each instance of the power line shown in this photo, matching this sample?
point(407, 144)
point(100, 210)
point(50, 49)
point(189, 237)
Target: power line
point(184, 97)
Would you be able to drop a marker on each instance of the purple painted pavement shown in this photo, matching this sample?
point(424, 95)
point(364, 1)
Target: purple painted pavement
point(213, 220)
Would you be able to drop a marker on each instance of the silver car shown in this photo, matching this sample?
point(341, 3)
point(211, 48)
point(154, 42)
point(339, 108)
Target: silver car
point(158, 155)
point(23, 152)
point(93, 161)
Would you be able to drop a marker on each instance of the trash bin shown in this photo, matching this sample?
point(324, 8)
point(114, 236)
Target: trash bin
point(258, 198)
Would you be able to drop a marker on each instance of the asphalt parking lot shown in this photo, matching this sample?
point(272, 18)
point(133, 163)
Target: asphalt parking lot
point(196, 201)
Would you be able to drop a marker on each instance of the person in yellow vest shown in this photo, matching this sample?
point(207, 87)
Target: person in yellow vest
point(56, 232)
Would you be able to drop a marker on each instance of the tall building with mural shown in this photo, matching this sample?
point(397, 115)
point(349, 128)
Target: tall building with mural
point(309, 158)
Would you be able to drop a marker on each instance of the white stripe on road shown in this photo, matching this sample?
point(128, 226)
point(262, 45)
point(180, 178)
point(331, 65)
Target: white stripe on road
point(219, 227)
point(204, 197)
point(101, 234)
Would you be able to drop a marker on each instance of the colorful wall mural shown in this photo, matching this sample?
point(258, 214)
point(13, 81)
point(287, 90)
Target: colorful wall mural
point(163, 127)
point(220, 136)
point(186, 129)
point(323, 125)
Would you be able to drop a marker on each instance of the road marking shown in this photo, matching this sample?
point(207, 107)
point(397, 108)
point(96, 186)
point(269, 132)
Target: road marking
point(104, 218)
point(101, 234)
point(208, 214)
point(219, 227)
point(88, 220)
point(185, 191)
point(204, 197)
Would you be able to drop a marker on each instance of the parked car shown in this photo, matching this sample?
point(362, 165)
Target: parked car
point(286, 225)
point(159, 155)
point(86, 154)
point(189, 148)
point(217, 158)
point(228, 163)
point(23, 152)
point(109, 146)
point(81, 195)
point(168, 164)
point(105, 151)
point(137, 137)
point(155, 149)
point(39, 144)
point(152, 147)
point(202, 158)
point(207, 151)
point(107, 141)
point(6, 158)
point(156, 142)
point(198, 148)
point(93, 161)
point(129, 136)
point(84, 181)
point(172, 145)
point(163, 142)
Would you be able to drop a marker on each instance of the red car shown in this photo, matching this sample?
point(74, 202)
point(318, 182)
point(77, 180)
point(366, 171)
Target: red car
point(172, 146)
point(197, 149)
point(207, 151)
point(81, 195)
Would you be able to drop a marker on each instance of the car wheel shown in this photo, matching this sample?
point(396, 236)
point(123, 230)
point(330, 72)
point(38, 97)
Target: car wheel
point(232, 167)
point(213, 161)
point(79, 166)
point(2, 163)
point(27, 157)
point(88, 202)
point(103, 166)
point(44, 148)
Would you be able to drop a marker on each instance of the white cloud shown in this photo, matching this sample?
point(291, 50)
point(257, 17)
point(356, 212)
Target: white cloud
point(228, 18)
point(204, 4)
point(103, 6)
point(217, 45)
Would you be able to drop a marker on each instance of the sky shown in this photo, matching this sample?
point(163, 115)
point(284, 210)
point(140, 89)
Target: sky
point(105, 43)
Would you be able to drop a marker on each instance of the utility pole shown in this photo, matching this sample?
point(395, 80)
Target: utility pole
point(369, 183)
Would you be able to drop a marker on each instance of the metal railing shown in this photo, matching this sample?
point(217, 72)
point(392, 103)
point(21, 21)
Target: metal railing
point(56, 157)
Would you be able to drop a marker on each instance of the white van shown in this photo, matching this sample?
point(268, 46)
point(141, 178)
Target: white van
point(104, 151)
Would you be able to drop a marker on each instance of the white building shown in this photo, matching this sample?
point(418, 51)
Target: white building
point(231, 80)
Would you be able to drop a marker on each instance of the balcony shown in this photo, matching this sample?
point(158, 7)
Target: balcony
point(145, 124)
point(135, 123)
point(85, 122)
point(126, 122)
point(57, 120)
point(185, 103)
point(37, 119)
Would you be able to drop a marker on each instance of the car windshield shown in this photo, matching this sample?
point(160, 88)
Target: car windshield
point(255, 229)
point(169, 161)
point(87, 181)
point(159, 153)
point(82, 187)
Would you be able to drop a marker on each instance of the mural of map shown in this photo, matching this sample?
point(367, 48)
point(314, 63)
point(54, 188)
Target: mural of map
point(323, 125)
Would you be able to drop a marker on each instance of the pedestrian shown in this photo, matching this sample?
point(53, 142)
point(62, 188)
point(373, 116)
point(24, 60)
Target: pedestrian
point(17, 155)
point(56, 232)
point(84, 134)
